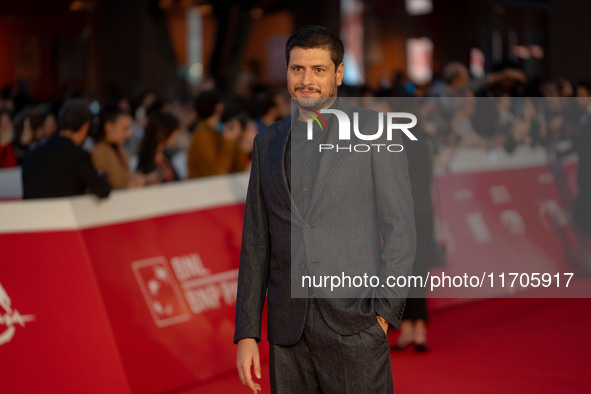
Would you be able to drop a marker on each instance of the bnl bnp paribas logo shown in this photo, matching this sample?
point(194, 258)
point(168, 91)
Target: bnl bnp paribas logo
point(345, 130)
point(10, 318)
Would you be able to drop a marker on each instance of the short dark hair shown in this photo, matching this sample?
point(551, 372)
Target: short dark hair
point(160, 127)
point(452, 71)
point(263, 102)
point(205, 103)
point(109, 113)
point(74, 114)
point(585, 84)
point(315, 36)
point(38, 115)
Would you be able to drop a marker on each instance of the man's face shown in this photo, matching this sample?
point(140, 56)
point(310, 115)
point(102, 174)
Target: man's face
point(312, 78)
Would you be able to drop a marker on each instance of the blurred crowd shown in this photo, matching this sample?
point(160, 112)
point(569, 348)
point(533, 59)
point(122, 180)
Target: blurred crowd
point(143, 139)
point(502, 110)
point(133, 141)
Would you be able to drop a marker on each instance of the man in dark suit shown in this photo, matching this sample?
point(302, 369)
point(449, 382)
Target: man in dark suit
point(310, 213)
point(61, 168)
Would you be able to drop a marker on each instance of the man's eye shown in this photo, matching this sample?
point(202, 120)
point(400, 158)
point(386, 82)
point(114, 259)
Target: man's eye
point(319, 70)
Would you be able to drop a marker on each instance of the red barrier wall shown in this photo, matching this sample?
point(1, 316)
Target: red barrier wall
point(133, 294)
point(137, 293)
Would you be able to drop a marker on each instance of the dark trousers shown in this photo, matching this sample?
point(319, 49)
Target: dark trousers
point(323, 361)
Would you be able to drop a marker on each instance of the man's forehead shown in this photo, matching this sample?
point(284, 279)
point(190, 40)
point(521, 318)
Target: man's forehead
point(310, 55)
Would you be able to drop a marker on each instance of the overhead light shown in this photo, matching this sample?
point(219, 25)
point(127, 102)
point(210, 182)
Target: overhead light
point(419, 7)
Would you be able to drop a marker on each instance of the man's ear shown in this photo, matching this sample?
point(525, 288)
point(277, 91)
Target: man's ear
point(82, 132)
point(340, 73)
point(85, 128)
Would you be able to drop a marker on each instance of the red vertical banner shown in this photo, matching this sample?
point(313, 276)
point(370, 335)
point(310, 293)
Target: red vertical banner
point(54, 331)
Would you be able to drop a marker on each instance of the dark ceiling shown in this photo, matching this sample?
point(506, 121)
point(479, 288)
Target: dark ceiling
point(29, 7)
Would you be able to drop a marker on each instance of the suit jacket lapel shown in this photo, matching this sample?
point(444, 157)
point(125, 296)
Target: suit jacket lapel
point(329, 158)
point(277, 167)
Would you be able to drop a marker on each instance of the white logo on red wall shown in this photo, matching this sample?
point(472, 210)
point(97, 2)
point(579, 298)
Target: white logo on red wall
point(10, 318)
point(201, 290)
point(499, 194)
point(160, 291)
point(552, 214)
point(513, 221)
point(478, 227)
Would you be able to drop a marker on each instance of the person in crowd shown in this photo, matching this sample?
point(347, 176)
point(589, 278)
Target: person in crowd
point(32, 128)
point(583, 92)
point(413, 328)
point(557, 112)
point(21, 95)
point(23, 135)
point(43, 123)
point(7, 156)
point(463, 132)
point(456, 78)
point(6, 100)
point(146, 100)
point(61, 168)
point(267, 109)
point(109, 155)
point(582, 145)
point(248, 135)
point(240, 127)
point(123, 103)
point(184, 111)
point(212, 152)
point(527, 126)
point(162, 131)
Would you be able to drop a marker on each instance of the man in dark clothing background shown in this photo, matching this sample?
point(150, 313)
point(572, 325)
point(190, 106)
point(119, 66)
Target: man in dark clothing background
point(61, 168)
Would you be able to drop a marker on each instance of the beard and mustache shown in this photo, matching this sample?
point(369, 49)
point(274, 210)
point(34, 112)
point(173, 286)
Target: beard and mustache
point(314, 103)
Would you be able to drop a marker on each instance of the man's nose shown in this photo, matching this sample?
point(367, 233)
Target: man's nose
point(306, 78)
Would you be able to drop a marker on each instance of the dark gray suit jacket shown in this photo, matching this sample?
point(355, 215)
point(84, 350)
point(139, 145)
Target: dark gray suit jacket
point(360, 219)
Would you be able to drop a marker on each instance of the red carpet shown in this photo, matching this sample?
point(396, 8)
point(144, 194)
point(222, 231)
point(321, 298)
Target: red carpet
point(490, 346)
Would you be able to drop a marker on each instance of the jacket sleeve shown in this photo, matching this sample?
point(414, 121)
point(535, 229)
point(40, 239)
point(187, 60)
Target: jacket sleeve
point(397, 227)
point(89, 177)
point(255, 254)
